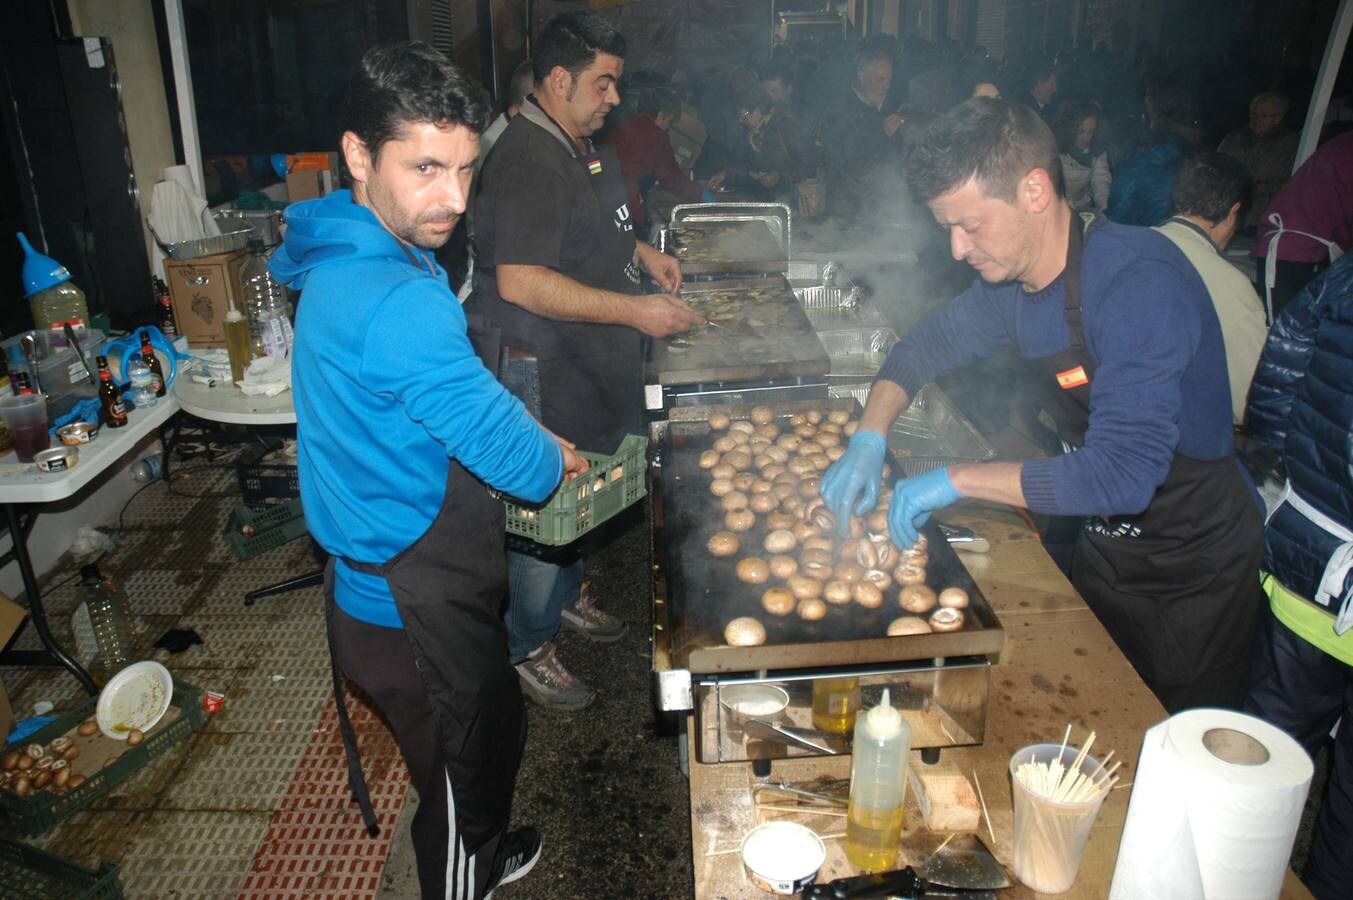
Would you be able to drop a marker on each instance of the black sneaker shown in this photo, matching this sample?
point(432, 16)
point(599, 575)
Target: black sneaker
point(517, 855)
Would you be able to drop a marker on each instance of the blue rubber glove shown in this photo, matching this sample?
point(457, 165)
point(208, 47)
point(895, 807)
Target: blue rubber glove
point(852, 482)
point(708, 196)
point(914, 499)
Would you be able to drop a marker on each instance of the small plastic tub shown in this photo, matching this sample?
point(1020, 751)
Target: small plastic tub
point(783, 857)
point(135, 699)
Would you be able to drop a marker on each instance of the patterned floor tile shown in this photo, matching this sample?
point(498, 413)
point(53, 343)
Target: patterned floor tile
point(156, 591)
point(278, 695)
point(192, 854)
point(236, 771)
point(316, 845)
point(227, 641)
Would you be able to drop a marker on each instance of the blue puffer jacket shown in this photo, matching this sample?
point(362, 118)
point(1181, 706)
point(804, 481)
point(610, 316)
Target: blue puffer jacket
point(1301, 405)
point(1142, 186)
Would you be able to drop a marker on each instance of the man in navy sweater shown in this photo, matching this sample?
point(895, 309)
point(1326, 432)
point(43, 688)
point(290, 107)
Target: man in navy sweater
point(1117, 333)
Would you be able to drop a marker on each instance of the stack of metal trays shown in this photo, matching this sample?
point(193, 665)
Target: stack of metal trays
point(930, 434)
point(852, 330)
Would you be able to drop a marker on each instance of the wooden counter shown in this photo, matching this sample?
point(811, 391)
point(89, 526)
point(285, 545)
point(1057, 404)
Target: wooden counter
point(1059, 666)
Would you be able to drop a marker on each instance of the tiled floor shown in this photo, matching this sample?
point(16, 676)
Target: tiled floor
point(255, 804)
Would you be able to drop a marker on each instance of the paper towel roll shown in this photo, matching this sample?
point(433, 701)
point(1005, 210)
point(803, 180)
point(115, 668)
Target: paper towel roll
point(1215, 806)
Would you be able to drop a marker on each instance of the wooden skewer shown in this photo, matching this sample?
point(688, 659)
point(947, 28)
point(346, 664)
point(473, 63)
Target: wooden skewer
point(991, 831)
point(803, 810)
point(952, 835)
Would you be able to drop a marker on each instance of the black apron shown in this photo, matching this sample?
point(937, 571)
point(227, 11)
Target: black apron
point(449, 587)
point(591, 375)
point(1176, 586)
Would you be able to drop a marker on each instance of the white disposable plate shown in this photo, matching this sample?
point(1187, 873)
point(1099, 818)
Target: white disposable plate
point(134, 699)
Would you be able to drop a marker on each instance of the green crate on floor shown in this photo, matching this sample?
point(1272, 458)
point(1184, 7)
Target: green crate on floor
point(27, 873)
point(41, 811)
point(612, 484)
point(250, 532)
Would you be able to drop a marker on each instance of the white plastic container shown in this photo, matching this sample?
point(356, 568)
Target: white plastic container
point(878, 784)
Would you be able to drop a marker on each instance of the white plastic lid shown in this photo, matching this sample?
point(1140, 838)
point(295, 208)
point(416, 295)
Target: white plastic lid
point(883, 721)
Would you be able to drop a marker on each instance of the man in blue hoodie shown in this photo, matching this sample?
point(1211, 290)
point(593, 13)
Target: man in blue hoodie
point(402, 433)
point(1118, 335)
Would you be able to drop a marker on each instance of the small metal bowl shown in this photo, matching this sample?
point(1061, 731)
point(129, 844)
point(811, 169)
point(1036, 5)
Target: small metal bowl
point(56, 459)
point(78, 433)
point(763, 702)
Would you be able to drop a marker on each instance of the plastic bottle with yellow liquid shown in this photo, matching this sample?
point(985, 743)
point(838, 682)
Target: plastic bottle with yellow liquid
point(237, 343)
point(878, 785)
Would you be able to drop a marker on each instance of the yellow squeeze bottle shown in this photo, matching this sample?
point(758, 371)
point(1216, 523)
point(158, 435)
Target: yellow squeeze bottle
point(237, 342)
point(878, 784)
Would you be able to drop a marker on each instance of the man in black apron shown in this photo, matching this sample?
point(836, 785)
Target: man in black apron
point(559, 269)
point(401, 431)
point(1119, 336)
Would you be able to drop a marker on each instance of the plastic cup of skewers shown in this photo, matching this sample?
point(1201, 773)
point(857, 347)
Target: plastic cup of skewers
point(1058, 791)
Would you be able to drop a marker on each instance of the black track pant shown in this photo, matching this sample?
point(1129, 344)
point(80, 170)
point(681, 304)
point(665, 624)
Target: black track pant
point(380, 661)
point(1304, 691)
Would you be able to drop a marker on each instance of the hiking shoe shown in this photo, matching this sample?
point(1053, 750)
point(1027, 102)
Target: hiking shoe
point(589, 621)
point(546, 681)
point(517, 855)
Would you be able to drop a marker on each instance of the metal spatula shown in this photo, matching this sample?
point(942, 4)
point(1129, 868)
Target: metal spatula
point(966, 863)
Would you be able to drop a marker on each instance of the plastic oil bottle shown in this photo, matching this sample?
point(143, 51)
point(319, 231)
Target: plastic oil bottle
point(878, 784)
point(53, 297)
point(268, 308)
point(237, 342)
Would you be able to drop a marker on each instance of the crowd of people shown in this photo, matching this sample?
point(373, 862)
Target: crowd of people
point(1139, 343)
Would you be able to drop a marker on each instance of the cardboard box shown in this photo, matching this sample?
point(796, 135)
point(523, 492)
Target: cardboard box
point(12, 616)
point(687, 136)
point(202, 290)
point(311, 175)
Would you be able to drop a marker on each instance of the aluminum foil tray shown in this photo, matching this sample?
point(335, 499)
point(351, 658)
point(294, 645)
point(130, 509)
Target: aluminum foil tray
point(227, 242)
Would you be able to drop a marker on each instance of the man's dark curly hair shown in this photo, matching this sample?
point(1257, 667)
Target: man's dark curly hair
point(573, 40)
point(399, 84)
point(995, 141)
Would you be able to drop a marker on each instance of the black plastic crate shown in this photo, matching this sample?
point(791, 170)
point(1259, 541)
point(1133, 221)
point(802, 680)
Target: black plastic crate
point(32, 874)
point(265, 481)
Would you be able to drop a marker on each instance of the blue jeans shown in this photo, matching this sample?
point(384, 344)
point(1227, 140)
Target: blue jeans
point(538, 588)
point(537, 592)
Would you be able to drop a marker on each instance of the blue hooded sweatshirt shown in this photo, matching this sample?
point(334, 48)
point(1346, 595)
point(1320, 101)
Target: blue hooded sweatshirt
point(388, 391)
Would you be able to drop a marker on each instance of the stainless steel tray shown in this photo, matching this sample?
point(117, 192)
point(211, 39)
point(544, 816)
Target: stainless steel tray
point(775, 216)
point(930, 434)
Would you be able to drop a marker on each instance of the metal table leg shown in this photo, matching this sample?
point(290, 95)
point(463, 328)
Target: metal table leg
point(19, 528)
point(310, 579)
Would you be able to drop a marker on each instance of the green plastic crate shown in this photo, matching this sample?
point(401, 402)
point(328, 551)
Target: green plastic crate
point(612, 484)
point(270, 528)
point(41, 811)
point(27, 873)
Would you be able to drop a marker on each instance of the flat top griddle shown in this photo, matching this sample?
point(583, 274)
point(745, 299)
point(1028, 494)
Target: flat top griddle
point(760, 333)
point(703, 593)
point(728, 247)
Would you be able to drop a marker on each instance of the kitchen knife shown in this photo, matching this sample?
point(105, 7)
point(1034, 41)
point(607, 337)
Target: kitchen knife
point(74, 343)
point(903, 884)
point(964, 538)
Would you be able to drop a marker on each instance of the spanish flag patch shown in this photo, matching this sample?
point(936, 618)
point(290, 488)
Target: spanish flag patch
point(1072, 378)
point(594, 166)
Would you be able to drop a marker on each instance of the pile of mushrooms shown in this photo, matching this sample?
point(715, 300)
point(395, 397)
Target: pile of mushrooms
point(766, 472)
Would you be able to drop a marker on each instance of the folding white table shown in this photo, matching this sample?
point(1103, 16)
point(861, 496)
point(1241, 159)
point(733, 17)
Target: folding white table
point(24, 491)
